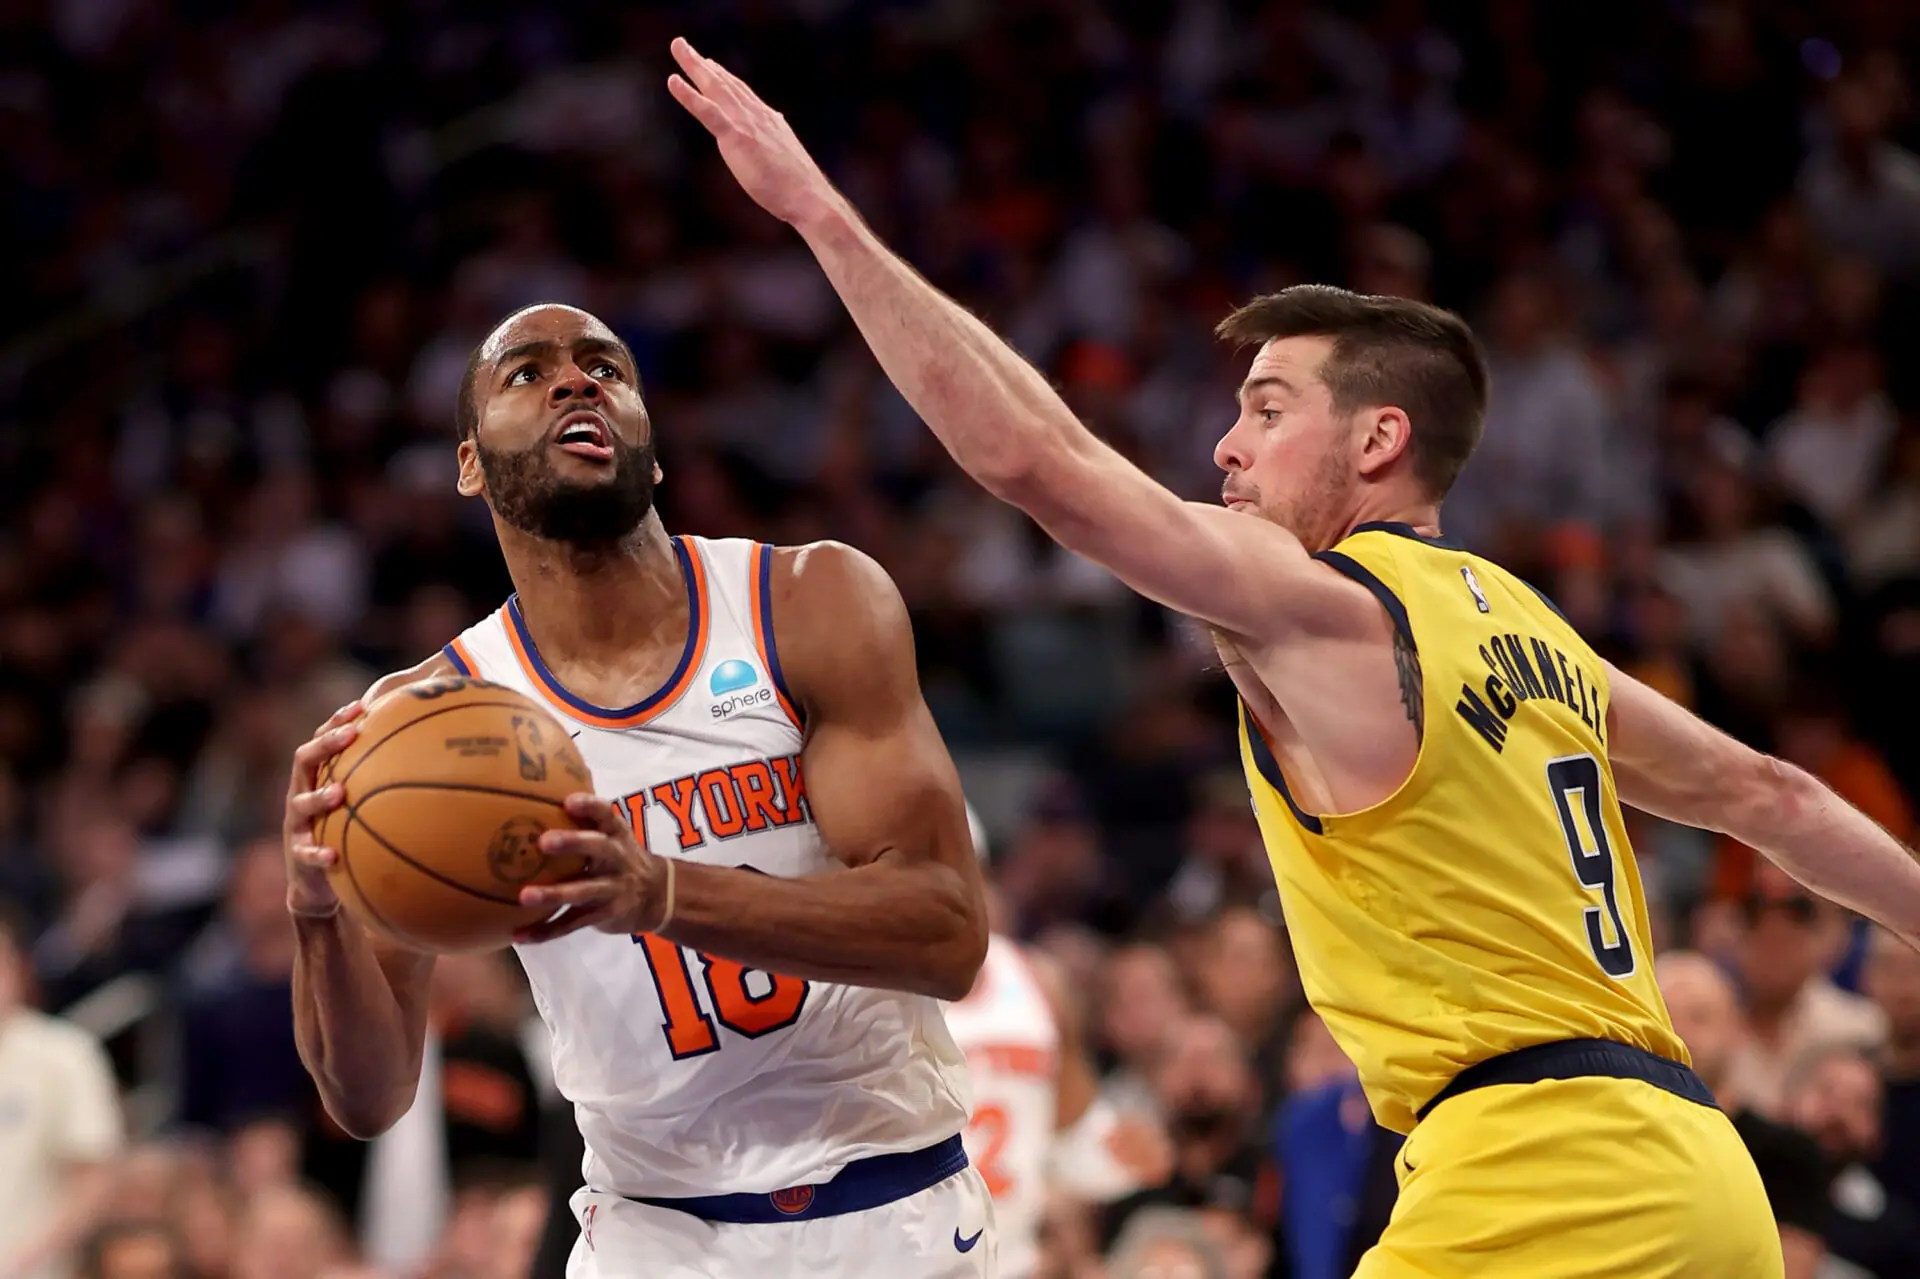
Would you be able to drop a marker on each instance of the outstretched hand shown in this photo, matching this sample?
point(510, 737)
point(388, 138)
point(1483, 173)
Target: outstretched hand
point(755, 140)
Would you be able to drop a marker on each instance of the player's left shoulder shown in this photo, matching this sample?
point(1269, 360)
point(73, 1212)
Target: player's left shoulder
point(839, 618)
point(833, 588)
point(827, 573)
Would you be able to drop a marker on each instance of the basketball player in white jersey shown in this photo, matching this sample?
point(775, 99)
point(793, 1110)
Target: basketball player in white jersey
point(743, 990)
point(1038, 1121)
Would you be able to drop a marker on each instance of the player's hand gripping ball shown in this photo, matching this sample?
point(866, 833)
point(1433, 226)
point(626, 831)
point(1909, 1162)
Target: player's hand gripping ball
point(445, 790)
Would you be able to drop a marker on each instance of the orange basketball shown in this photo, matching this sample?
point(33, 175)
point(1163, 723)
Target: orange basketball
point(449, 786)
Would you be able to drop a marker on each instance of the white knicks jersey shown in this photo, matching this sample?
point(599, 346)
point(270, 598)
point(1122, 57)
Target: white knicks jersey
point(689, 1074)
point(1005, 1027)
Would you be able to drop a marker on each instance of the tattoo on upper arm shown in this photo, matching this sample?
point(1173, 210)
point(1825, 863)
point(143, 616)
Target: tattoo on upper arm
point(1406, 661)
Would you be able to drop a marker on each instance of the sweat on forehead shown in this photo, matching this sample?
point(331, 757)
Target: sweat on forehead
point(541, 316)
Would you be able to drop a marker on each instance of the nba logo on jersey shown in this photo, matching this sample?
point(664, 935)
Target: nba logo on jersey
point(586, 1223)
point(1473, 584)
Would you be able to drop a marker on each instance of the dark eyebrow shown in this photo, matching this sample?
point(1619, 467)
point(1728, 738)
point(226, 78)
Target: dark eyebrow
point(513, 353)
point(1255, 384)
point(545, 346)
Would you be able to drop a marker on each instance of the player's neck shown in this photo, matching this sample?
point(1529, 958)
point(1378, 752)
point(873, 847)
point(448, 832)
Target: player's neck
point(583, 605)
point(1421, 516)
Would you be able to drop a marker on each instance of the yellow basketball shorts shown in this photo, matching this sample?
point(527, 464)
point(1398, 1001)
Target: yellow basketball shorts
point(1585, 1178)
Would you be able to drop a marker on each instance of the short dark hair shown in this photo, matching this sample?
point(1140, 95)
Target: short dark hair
point(1386, 350)
point(466, 409)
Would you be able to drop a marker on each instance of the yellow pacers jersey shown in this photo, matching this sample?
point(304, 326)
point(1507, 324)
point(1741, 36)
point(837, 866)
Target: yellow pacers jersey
point(1492, 902)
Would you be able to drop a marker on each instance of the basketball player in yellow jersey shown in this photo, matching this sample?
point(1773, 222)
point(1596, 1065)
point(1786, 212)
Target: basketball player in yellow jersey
point(1438, 760)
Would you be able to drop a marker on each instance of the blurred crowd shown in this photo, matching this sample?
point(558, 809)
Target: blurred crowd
point(252, 241)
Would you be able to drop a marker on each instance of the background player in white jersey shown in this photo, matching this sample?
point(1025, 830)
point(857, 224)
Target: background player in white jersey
point(775, 799)
point(1038, 1122)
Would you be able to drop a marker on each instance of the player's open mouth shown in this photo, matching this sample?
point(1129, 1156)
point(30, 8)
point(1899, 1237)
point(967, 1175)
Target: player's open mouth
point(585, 434)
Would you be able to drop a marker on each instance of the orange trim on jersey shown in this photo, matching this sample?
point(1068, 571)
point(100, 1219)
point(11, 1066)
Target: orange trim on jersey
point(695, 573)
point(760, 592)
point(464, 657)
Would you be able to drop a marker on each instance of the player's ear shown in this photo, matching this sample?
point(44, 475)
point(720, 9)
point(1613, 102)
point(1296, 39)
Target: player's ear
point(472, 481)
point(658, 474)
point(1385, 434)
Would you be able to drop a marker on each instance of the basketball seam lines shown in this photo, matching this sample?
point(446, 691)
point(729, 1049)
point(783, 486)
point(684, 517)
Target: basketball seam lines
point(429, 871)
point(346, 833)
point(421, 719)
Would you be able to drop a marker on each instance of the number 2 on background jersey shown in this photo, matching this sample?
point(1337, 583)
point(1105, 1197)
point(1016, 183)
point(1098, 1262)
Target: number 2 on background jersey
point(688, 1029)
point(992, 1127)
point(1579, 776)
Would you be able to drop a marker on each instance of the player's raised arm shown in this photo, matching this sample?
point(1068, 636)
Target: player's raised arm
point(359, 1005)
point(908, 913)
point(1669, 762)
point(997, 415)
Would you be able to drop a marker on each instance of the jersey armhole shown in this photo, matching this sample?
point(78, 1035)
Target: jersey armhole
point(1545, 599)
point(1268, 766)
point(1381, 591)
point(761, 593)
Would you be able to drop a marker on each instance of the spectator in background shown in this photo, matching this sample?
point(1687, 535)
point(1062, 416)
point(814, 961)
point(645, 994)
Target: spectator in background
point(1209, 1101)
point(1144, 1005)
point(1728, 562)
point(59, 1125)
point(1223, 862)
point(1707, 1017)
point(1883, 534)
point(1244, 975)
point(1860, 190)
point(287, 1232)
point(1813, 730)
point(238, 1059)
point(1827, 452)
point(1892, 981)
point(1325, 1144)
point(1793, 1008)
point(108, 926)
point(1166, 1243)
point(1835, 1096)
point(1543, 458)
point(134, 1250)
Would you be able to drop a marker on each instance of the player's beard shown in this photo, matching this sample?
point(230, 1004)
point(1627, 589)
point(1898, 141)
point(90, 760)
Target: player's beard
point(528, 495)
point(1311, 511)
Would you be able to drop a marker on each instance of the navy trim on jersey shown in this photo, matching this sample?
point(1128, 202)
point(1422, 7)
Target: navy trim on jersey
point(1547, 600)
point(861, 1186)
point(1399, 529)
point(453, 656)
point(1269, 768)
point(1381, 591)
point(696, 626)
point(767, 636)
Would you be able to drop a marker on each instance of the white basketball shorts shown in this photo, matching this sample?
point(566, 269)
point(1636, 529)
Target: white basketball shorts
point(942, 1232)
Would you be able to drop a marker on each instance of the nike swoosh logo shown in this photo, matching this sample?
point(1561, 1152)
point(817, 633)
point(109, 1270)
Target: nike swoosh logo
point(966, 1245)
point(575, 733)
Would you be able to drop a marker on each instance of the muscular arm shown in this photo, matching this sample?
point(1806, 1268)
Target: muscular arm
point(908, 912)
point(998, 417)
point(359, 1003)
point(1668, 762)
